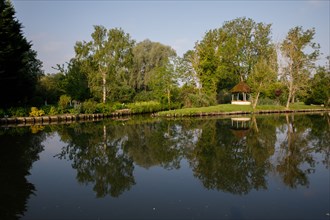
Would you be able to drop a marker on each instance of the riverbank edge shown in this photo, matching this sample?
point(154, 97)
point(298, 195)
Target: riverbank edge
point(216, 113)
point(70, 118)
point(61, 119)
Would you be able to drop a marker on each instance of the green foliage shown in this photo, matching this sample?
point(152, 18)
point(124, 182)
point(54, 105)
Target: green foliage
point(75, 81)
point(196, 100)
point(53, 111)
point(18, 112)
point(106, 59)
point(267, 101)
point(261, 78)
point(46, 108)
point(64, 102)
point(35, 112)
point(144, 96)
point(89, 106)
point(19, 66)
point(2, 113)
point(320, 84)
point(50, 87)
point(148, 56)
point(104, 108)
point(145, 107)
point(118, 106)
point(300, 52)
point(227, 55)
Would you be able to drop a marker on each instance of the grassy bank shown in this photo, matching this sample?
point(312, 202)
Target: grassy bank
point(228, 108)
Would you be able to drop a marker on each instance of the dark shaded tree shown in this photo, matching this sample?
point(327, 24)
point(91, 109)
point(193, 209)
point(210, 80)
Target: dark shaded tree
point(19, 149)
point(19, 66)
point(319, 92)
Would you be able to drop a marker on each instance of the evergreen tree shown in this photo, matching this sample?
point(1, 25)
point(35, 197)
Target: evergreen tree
point(19, 67)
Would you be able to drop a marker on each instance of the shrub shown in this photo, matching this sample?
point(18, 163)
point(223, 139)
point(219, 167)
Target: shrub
point(18, 112)
point(46, 109)
point(64, 102)
point(145, 107)
point(89, 107)
point(53, 111)
point(196, 100)
point(118, 106)
point(144, 96)
point(75, 110)
point(103, 108)
point(35, 112)
point(266, 101)
point(2, 113)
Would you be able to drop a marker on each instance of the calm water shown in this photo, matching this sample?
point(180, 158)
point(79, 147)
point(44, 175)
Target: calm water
point(268, 167)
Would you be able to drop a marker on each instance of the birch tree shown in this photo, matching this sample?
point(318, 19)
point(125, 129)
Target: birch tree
point(107, 59)
point(299, 54)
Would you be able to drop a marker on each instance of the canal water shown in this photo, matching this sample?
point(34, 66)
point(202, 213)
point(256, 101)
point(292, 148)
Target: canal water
point(250, 167)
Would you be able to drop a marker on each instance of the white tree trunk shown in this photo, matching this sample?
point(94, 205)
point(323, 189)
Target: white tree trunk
point(103, 87)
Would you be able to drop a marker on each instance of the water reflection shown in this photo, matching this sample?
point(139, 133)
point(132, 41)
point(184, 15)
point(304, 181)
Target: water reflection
point(224, 154)
point(96, 154)
point(105, 153)
point(298, 149)
point(18, 151)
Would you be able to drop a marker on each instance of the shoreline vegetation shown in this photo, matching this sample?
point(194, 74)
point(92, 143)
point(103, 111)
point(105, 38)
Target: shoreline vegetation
point(228, 109)
point(217, 110)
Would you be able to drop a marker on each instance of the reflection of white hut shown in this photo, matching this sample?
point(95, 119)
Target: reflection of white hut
point(240, 93)
point(240, 126)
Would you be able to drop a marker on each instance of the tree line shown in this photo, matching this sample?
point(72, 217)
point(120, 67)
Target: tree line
point(114, 68)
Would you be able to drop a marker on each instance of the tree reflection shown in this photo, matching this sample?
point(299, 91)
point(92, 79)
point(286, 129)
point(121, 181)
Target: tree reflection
point(19, 149)
point(104, 153)
point(231, 163)
point(96, 154)
point(294, 152)
point(319, 136)
point(297, 150)
point(154, 144)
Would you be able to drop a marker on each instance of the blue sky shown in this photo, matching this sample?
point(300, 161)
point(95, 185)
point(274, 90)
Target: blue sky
point(55, 26)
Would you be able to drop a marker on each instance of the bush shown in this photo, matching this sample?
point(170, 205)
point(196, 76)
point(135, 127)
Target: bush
point(144, 96)
point(64, 102)
point(18, 112)
point(103, 108)
point(46, 109)
point(196, 100)
point(2, 113)
point(118, 106)
point(53, 111)
point(89, 107)
point(267, 101)
point(145, 107)
point(35, 112)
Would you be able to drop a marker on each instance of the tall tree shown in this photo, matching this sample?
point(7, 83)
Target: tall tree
point(164, 80)
point(319, 92)
point(263, 75)
point(207, 63)
point(50, 87)
point(19, 67)
point(148, 56)
point(107, 60)
point(75, 81)
point(228, 54)
point(298, 62)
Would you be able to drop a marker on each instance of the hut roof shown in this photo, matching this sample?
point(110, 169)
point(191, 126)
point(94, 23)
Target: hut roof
point(241, 87)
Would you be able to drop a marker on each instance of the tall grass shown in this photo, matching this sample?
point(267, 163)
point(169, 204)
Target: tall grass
point(145, 107)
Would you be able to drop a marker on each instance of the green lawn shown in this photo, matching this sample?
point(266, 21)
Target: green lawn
point(231, 108)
